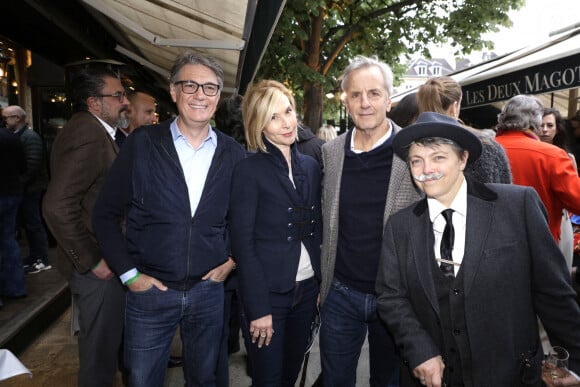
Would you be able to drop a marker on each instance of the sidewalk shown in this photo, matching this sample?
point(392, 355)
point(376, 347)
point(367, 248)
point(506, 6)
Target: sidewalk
point(37, 330)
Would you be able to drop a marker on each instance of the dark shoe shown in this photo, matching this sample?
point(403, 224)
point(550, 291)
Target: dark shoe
point(15, 297)
point(175, 361)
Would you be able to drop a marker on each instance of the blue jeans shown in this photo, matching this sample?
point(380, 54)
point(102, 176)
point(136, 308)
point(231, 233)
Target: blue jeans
point(12, 283)
point(279, 363)
point(346, 316)
point(151, 319)
point(31, 220)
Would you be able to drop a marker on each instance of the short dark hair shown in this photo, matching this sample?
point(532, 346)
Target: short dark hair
point(88, 82)
point(406, 111)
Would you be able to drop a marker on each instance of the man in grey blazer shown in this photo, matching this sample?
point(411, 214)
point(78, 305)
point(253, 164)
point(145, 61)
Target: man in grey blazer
point(81, 156)
point(363, 184)
point(464, 273)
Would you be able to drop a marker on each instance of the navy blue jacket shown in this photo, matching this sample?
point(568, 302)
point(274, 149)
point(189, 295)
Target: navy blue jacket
point(268, 220)
point(147, 185)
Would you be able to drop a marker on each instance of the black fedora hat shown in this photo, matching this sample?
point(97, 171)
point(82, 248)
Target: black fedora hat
point(430, 124)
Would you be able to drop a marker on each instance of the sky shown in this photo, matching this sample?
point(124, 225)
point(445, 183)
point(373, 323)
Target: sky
point(531, 23)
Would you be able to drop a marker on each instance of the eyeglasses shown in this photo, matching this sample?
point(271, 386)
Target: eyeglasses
point(190, 87)
point(120, 95)
point(7, 117)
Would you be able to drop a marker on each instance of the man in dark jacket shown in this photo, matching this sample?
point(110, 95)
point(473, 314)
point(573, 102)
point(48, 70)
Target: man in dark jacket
point(309, 144)
point(35, 180)
point(171, 185)
point(12, 282)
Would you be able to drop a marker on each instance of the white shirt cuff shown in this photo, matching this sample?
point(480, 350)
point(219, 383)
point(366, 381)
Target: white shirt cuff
point(128, 275)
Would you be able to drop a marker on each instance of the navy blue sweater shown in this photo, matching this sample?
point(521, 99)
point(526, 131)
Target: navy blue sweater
point(363, 194)
point(146, 183)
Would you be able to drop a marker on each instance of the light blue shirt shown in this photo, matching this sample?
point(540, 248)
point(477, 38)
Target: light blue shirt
point(194, 162)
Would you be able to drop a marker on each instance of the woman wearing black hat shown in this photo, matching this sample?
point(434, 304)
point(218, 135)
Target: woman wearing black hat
point(465, 272)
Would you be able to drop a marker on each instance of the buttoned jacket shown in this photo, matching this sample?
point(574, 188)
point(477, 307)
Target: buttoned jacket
point(512, 272)
point(270, 216)
point(401, 193)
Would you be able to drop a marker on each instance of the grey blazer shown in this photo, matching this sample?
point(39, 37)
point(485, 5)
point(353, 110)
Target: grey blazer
point(401, 193)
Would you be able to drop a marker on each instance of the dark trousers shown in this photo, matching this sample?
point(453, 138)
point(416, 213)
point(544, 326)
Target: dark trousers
point(223, 374)
point(279, 363)
point(12, 283)
point(31, 220)
point(101, 307)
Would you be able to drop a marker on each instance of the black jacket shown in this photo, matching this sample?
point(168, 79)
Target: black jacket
point(308, 144)
point(269, 219)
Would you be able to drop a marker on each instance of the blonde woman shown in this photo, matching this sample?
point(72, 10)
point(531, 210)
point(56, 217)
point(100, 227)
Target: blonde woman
point(327, 132)
point(275, 230)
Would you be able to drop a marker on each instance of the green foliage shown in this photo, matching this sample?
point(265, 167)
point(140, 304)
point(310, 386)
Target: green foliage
point(300, 54)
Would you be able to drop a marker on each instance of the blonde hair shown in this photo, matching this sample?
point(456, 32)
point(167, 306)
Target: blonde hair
point(438, 94)
point(326, 132)
point(258, 108)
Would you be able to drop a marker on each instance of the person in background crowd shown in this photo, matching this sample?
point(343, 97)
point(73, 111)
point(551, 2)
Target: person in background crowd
point(326, 132)
point(12, 162)
point(228, 119)
point(443, 95)
point(534, 163)
point(171, 183)
point(573, 128)
point(308, 144)
point(363, 184)
point(275, 228)
point(35, 181)
point(406, 111)
point(553, 131)
point(465, 272)
point(575, 220)
point(81, 156)
point(140, 112)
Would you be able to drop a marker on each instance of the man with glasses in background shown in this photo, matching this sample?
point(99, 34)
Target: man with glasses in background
point(172, 182)
point(81, 156)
